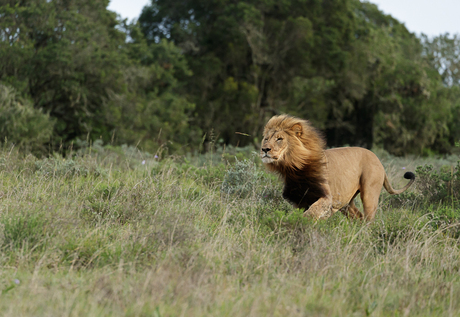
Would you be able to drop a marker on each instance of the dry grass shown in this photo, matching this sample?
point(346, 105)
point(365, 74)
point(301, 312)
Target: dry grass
point(159, 239)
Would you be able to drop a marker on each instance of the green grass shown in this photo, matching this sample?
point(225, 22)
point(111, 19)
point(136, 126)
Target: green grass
point(103, 234)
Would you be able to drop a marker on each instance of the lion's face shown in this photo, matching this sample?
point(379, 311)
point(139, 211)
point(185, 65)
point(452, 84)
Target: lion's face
point(289, 143)
point(274, 146)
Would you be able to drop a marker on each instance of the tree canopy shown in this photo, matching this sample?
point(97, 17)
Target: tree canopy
point(188, 67)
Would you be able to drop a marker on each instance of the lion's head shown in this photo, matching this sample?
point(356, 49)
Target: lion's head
point(290, 143)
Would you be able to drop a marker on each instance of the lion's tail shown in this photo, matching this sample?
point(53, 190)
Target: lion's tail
point(387, 185)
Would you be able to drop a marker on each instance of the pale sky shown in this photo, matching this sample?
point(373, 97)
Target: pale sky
point(432, 17)
point(129, 8)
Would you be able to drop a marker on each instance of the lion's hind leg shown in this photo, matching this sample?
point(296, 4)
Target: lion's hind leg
point(351, 211)
point(370, 199)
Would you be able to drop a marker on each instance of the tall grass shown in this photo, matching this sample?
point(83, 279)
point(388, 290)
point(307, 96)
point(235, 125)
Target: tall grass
point(115, 232)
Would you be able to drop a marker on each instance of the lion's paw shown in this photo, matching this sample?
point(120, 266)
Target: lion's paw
point(319, 210)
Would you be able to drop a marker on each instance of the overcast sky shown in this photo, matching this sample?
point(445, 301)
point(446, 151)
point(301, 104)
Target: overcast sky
point(432, 17)
point(129, 8)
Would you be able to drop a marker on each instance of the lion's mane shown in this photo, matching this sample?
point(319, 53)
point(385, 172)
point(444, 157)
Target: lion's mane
point(303, 165)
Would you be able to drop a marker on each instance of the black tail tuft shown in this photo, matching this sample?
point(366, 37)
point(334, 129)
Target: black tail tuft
point(409, 175)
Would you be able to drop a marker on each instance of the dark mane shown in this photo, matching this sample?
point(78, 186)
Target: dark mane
point(302, 168)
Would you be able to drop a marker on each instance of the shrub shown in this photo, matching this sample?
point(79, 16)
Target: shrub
point(112, 203)
point(445, 218)
point(281, 221)
point(408, 199)
point(244, 179)
point(241, 179)
point(58, 166)
point(394, 227)
point(439, 186)
point(21, 123)
point(25, 231)
point(98, 203)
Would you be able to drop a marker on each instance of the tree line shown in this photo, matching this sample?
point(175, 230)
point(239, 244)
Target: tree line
point(192, 71)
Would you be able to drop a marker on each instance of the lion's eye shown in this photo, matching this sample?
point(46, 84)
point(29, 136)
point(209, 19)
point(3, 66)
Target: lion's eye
point(279, 139)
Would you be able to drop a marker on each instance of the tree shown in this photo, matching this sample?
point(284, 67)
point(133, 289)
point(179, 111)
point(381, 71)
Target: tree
point(65, 56)
point(20, 123)
point(249, 58)
point(391, 88)
point(443, 53)
point(151, 111)
point(357, 73)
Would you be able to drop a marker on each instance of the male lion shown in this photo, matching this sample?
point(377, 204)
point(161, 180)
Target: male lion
point(323, 181)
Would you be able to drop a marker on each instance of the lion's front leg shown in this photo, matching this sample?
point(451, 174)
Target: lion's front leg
point(322, 208)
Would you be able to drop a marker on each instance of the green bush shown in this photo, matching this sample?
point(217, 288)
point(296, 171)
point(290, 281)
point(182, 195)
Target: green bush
point(28, 230)
point(408, 199)
point(245, 179)
point(439, 186)
point(58, 166)
point(22, 124)
point(99, 204)
point(394, 227)
point(445, 218)
point(281, 221)
point(241, 179)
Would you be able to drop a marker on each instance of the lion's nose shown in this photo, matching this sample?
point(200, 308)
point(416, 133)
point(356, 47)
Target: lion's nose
point(266, 150)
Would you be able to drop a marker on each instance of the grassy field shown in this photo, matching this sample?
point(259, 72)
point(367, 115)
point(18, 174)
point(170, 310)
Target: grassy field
point(116, 232)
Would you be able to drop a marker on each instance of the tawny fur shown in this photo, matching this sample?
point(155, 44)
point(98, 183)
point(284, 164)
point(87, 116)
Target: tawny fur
point(318, 180)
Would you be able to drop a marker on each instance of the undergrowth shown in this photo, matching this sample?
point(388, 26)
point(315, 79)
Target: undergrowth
point(108, 231)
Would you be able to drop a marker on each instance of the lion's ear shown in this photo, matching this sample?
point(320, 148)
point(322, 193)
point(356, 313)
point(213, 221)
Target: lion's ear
point(297, 128)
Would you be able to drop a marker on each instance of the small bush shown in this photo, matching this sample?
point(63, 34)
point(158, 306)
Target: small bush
point(446, 218)
point(408, 199)
point(98, 205)
point(245, 179)
point(113, 202)
point(280, 221)
point(208, 175)
point(57, 166)
point(439, 186)
point(241, 179)
point(25, 231)
point(21, 123)
point(393, 227)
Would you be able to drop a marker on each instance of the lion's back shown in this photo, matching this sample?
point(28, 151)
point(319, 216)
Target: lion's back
point(346, 168)
point(352, 160)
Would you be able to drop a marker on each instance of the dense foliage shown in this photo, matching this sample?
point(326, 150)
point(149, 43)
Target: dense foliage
point(190, 71)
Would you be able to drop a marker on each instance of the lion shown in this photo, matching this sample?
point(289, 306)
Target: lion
point(321, 181)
